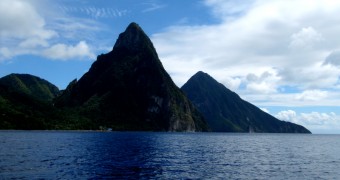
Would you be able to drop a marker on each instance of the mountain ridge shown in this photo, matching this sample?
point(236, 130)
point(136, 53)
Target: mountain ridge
point(30, 85)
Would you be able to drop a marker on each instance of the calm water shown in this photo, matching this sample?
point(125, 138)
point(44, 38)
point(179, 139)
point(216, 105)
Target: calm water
point(87, 155)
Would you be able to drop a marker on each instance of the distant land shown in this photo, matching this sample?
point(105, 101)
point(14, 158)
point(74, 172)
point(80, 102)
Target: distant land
point(128, 89)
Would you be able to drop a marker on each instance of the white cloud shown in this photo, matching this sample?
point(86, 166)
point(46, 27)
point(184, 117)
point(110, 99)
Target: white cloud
point(20, 20)
point(232, 83)
point(5, 52)
point(333, 58)
point(33, 42)
point(315, 121)
point(152, 6)
point(305, 38)
point(288, 115)
point(265, 83)
point(95, 12)
point(65, 52)
point(24, 30)
point(261, 87)
point(312, 95)
point(310, 76)
point(299, 99)
point(316, 118)
point(234, 8)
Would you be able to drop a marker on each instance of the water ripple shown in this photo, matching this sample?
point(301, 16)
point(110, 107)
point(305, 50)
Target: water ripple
point(87, 155)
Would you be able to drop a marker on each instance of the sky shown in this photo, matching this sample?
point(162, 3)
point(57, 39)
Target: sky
point(282, 56)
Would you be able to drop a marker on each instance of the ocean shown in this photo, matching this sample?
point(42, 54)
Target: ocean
point(155, 155)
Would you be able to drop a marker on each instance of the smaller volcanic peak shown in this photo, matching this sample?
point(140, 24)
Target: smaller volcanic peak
point(225, 111)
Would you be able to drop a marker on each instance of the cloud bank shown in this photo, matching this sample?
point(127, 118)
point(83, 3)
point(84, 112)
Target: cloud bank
point(23, 30)
point(261, 49)
point(318, 122)
point(64, 52)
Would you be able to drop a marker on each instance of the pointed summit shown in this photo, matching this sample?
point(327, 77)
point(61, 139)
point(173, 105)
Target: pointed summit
point(134, 39)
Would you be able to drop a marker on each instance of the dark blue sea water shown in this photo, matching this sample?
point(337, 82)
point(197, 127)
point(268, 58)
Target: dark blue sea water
point(137, 155)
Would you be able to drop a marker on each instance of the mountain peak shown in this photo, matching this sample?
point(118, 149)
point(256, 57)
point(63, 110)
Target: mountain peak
point(201, 74)
point(133, 38)
point(133, 25)
point(204, 78)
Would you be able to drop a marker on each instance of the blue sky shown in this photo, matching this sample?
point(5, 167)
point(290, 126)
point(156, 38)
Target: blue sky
point(283, 56)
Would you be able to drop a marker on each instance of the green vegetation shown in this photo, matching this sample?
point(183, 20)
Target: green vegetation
point(30, 85)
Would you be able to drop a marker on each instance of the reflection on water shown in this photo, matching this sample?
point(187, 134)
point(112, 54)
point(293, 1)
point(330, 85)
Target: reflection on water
point(67, 155)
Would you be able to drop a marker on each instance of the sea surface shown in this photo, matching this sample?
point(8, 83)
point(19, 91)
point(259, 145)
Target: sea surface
point(141, 155)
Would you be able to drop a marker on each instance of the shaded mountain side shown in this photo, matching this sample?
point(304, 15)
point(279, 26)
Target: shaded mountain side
point(128, 89)
point(30, 85)
point(225, 111)
point(22, 111)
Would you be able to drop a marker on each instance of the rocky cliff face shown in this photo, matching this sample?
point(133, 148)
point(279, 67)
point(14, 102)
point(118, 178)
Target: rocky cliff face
point(128, 89)
point(225, 111)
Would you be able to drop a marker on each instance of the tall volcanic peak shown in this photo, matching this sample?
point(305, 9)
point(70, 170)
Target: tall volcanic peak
point(128, 89)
